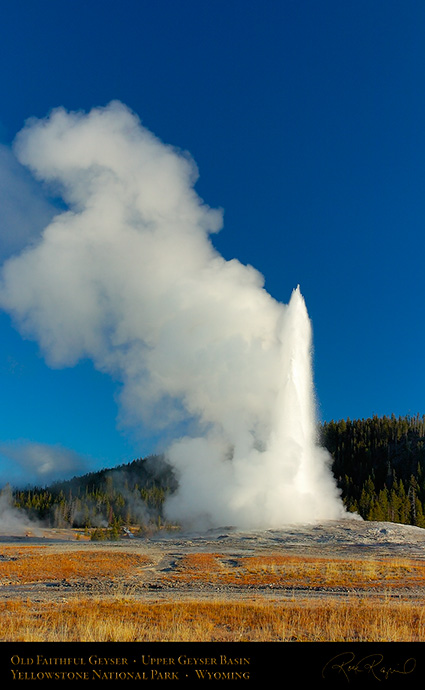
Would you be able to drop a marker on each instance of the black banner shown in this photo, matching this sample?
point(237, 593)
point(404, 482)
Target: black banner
point(325, 664)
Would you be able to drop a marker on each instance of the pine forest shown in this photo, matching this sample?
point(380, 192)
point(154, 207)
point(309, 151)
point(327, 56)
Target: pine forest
point(378, 464)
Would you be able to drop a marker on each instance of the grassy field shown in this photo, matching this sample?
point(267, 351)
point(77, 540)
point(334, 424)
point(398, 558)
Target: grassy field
point(363, 616)
point(91, 620)
point(307, 572)
point(32, 564)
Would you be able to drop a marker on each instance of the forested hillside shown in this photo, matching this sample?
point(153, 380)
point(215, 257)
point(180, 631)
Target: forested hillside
point(130, 495)
point(378, 463)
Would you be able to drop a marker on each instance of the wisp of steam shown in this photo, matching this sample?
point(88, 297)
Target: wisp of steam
point(127, 275)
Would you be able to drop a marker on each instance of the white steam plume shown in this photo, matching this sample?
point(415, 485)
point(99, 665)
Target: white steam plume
point(128, 277)
point(13, 521)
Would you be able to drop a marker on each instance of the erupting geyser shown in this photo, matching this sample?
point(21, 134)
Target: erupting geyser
point(128, 277)
point(276, 476)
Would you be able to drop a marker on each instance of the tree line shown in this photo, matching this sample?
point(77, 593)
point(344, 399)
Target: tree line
point(378, 464)
point(128, 495)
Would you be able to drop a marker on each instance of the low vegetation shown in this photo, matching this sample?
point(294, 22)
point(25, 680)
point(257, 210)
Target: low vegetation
point(308, 573)
point(33, 564)
point(85, 620)
point(23, 564)
point(356, 614)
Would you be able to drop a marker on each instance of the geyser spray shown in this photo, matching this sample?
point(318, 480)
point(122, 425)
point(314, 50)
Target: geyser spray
point(128, 276)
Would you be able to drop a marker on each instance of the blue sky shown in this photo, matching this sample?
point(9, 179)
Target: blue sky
point(307, 123)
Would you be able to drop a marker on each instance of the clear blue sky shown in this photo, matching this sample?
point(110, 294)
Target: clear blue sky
point(307, 122)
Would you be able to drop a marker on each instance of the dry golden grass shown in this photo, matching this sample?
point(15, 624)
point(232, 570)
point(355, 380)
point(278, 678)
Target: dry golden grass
point(125, 621)
point(34, 564)
point(116, 618)
point(296, 571)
